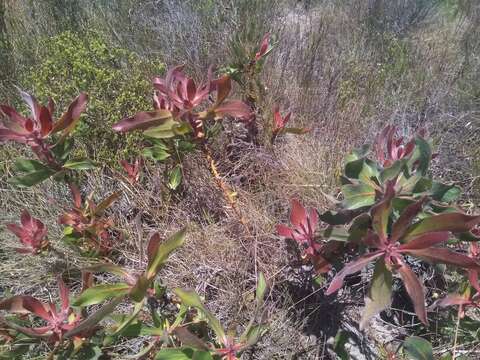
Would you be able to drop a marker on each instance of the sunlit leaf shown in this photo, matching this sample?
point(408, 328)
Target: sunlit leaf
point(357, 196)
point(455, 222)
point(175, 177)
point(100, 293)
point(163, 251)
point(380, 293)
point(79, 164)
point(191, 298)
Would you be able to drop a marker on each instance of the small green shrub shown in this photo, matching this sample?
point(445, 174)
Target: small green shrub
point(116, 79)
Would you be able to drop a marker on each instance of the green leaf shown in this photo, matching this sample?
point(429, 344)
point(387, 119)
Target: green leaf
point(191, 298)
point(253, 335)
point(357, 196)
point(125, 323)
point(418, 185)
point(353, 168)
point(163, 252)
point(261, 288)
point(32, 178)
point(175, 177)
point(418, 348)
point(62, 149)
point(95, 318)
point(422, 154)
point(338, 233)
point(156, 153)
point(357, 153)
point(175, 354)
point(336, 218)
point(28, 166)
point(139, 291)
point(445, 193)
point(170, 128)
point(369, 173)
point(380, 293)
point(186, 146)
point(341, 338)
point(99, 293)
point(110, 268)
point(79, 164)
point(393, 171)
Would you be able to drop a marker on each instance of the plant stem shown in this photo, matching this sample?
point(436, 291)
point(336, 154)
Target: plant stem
point(456, 336)
point(230, 199)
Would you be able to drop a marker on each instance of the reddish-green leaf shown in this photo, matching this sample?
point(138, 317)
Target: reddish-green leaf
point(445, 256)
point(94, 318)
point(380, 293)
point(426, 240)
point(381, 213)
point(138, 292)
point(189, 339)
point(454, 222)
point(351, 268)
point(451, 300)
point(153, 245)
point(400, 226)
point(415, 291)
point(106, 203)
point(224, 86)
point(69, 119)
point(163, 251)
point(143, 120)
point(233, 108)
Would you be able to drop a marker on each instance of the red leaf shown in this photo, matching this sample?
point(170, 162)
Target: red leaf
point(36, 307)
point(234, 108)
point(451, 300)
point(263, 47)
point(426, 240)
point(444, 256)
point(12, 114)
point(16, 230)
point(63, 292)
point(72, 115)
point(284, 231)
point(381, 213)
point(454, 222)
point(415, 291)
point(152, 246)
point(77, 198)
point(45, 120)
point(223, 86)
point(143, 120)
point(400, 226)
point(6, 134)
point(351, 268)
point(51, 106)
point(26, 219)
point(298, 215)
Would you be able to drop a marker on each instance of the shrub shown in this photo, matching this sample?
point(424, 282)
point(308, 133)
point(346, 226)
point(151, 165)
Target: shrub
point(117, 79)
